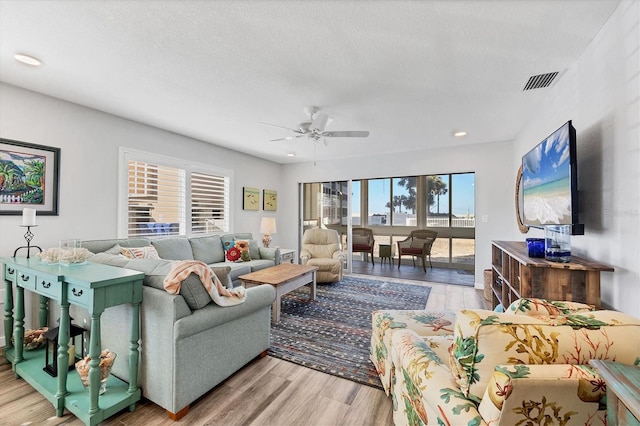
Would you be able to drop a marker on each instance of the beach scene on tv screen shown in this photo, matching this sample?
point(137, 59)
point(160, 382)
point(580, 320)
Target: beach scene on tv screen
point(546, 181)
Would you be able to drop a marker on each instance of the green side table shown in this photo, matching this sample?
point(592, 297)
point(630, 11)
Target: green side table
point(93, 287)
point(387, 251)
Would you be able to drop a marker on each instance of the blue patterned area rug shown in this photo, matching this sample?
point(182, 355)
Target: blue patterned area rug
point(332, 334)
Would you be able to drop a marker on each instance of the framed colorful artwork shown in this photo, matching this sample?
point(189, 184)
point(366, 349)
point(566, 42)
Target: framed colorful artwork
point(270, 200)
point(29, 177)
point(250, 198)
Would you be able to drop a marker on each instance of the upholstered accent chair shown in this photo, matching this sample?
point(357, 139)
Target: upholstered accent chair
point(322, 248)
point(417, 244)
point(363, 241)
point(528, 365)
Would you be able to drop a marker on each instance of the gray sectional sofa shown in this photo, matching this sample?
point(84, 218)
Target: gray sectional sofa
point(188, 344)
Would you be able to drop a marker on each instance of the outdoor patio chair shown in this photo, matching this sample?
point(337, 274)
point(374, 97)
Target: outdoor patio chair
point(417, 244)
point(363, 241)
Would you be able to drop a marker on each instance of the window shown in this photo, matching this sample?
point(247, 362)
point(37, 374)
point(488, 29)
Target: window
point(404, 200)
point(438, 200)
point(379, 202)
point(167, 196)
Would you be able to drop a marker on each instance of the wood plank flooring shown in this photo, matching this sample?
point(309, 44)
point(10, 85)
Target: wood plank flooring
point(268, 391)
point(409, 272)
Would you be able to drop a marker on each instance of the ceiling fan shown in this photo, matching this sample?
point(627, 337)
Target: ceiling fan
point(314, 128)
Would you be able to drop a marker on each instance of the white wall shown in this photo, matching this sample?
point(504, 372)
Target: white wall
point(89, 142)
point(601, 94)
point(491, 162)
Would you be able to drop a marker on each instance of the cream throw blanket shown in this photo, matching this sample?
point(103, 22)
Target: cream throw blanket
point(220, 295)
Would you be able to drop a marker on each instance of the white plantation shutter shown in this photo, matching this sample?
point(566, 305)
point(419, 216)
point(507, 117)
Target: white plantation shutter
point(174, 199)
point(209, 203)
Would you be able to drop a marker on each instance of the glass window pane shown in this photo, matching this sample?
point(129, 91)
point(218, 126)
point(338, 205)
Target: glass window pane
point(379, 202)
point(438, 201)
point(463, 250)
point(463, 200)
point(440, 250)
point(403, 202)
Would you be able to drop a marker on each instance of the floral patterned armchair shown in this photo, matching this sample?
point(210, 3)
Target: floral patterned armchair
point(477, 367)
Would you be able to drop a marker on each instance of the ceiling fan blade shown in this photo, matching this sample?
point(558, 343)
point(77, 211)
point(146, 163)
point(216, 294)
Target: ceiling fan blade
point(279, 127)
point(288, 138)
point(320, 121)
point(347, 134)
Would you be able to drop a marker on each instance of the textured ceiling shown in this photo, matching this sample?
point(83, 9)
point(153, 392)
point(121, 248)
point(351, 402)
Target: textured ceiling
point(410, 72)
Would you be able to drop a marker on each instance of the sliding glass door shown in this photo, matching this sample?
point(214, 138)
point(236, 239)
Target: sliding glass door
point(392, 207)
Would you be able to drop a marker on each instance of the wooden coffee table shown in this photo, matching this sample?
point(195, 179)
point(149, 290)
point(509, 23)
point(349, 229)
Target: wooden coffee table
point(285, 278)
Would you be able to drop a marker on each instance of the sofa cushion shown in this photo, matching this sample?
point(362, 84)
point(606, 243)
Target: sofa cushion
point(148, 252)
point(207, 249)
point(109, 259)
point(191, 289)
point(237, 269)
point(361, 240)
point(484, 339)
point(154, 270)
point(98, 246)
point(174, 248)
point(258, 264)
point(254, 250)
point(565, 388)
point(533, 306)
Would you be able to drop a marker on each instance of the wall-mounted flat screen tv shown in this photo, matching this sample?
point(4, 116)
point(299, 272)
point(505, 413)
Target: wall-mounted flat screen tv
point(550, 181)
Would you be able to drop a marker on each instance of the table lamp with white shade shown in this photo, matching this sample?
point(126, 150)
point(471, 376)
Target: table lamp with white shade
point(267, 227)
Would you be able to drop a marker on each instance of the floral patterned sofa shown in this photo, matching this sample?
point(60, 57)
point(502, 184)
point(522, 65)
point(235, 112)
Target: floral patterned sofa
point(528, 365)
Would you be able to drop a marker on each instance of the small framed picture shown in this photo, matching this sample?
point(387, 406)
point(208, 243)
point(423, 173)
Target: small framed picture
point(29, 177)
point(270, 200)
point(250, 198)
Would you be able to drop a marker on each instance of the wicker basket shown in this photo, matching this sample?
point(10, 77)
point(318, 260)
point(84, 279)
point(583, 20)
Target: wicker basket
point(488, 277)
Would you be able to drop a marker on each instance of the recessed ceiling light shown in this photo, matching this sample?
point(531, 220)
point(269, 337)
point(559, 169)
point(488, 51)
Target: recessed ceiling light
point(459, 134)
point(291, 154)
point(28, 59)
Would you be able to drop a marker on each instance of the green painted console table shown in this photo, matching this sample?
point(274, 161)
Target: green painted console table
point(93, 287)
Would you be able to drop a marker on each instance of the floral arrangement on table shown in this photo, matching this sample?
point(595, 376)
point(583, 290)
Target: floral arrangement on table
point(65, 256)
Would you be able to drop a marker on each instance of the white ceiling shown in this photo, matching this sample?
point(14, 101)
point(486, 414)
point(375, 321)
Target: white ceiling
point(410, 72)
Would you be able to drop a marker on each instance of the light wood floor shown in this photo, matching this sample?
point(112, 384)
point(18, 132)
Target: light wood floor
point(268, 391)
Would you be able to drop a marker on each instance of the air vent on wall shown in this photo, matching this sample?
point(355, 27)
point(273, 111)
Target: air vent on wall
point(539, 81)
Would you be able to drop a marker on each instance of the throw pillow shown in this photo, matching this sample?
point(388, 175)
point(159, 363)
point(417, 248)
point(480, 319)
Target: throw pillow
point(194, 293)
point(148, 252)
point(114, 250)
point(224, 275)
point(155, 271)
point(254, 250)
point(109, 259)
point(233, 254)
point(243, 246)
point(227, 241)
